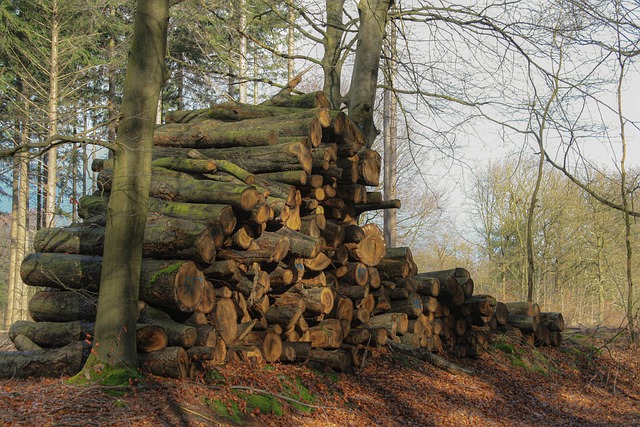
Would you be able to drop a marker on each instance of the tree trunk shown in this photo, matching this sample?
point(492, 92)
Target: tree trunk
point(362, 92)
point(52, 117)
point(114, 341)
point(390, 132)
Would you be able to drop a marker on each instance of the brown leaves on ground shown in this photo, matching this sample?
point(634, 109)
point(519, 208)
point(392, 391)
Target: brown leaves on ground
point(579, 383)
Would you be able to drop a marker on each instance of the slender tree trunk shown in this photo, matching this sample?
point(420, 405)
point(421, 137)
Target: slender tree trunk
point(390, 126)
point(22, 293)
point(530, 221)
point(16, 292)
point(600, 262)
point(291, 20)
point(331, 61)
point(14, 263)
point(625, 204)
point(242, 49)
point(362, 92)
point(115, 330)
point(534, 196)
point(40, 193)
point(52, 156)
point(112, 85)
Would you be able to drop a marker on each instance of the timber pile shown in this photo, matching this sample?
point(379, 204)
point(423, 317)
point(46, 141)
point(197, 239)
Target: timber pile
point(252, 251)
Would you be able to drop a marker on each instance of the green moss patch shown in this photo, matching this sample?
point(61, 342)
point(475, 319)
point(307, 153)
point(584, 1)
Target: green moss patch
point(168, 270)
point(296, 390)
point(230, 412)
point(247, 401)
point(116, 379)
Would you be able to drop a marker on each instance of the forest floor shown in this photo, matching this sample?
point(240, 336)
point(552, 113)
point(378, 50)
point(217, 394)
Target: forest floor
point(592, 379)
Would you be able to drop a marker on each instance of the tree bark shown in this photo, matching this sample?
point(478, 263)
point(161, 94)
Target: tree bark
point(164, 237)
point(63, 306)
point(114, 340)
point(362, 92)
point(92, 206)
point(174, 284)
point(42, 363)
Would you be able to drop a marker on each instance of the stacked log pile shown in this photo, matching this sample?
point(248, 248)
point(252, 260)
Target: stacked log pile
point(252, 250)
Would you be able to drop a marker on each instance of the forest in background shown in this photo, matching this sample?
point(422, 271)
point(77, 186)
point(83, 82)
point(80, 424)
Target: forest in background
point(449, 72)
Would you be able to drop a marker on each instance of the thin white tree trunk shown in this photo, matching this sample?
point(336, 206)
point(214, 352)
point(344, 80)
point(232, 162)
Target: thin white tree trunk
point(626, 205)
point(390, 129)
point(291, 18)
point(52, 156)
point(13, 247)
point(21, 303)
point(242, 60)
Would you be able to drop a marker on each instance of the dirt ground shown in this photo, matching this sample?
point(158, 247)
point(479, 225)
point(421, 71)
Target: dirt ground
point(588, 381)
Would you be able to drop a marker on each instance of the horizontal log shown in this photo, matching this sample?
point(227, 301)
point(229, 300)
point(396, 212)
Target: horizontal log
point(294, 155)
point(171, 362)
point(211, 134)
point(327, 334)
point(174, 284)
point(150, 338)
point(236, 111)
point(164, 237)
point(181, 164)
point(63, 306)
point(178, 334)
point(307, 100)
point(371, 249)
point(67, 360)
point(52, 334)
point(553, 321)
point(92, 206)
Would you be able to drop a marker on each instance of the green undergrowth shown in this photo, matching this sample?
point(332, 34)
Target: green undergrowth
point(580, 352)
point(247, 400)
point(525, 357)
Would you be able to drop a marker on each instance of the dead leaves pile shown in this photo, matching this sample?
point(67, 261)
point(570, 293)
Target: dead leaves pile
point(581, 383)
